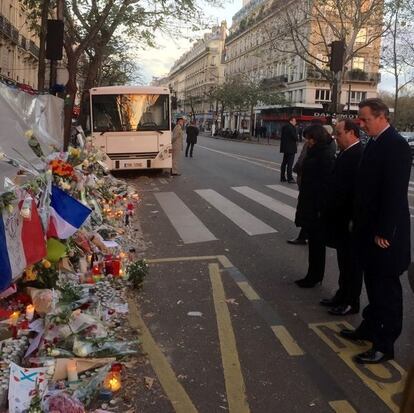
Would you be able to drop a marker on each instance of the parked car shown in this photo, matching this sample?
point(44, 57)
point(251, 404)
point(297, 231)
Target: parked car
point(410, 139)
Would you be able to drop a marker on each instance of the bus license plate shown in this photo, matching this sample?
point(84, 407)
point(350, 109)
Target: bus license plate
point(133, 164)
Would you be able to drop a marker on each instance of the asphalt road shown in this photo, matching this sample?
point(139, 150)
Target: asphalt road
point(235, 333)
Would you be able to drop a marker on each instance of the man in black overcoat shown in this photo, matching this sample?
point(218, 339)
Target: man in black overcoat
point(382, 229)
point(192, 133)
point(288, 146)
point(339, 217)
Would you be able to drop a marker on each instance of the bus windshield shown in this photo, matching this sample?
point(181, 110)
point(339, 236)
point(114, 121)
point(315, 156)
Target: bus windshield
point(130, 112)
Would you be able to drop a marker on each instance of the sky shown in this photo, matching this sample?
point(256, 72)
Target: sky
point(158, 61)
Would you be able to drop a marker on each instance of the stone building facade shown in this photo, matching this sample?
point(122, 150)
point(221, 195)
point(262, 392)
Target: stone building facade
point(18, 45)
point(253, 49)
point(196, 73)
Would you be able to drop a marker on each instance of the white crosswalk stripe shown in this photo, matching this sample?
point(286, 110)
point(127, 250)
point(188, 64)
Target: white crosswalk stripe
point(294, 193)
point(279, 207)
point(243, 219)
point(188, 226)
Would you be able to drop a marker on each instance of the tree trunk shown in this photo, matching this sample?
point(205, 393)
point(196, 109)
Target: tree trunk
point(90, 82)
point(71, 90)
point(42, 47)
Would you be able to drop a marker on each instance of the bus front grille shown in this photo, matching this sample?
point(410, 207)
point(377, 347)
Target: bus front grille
point(124, 156)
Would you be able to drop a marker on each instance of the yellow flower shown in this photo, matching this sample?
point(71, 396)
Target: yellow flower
point(46, 263)
point(75, 152)
point(28, 133)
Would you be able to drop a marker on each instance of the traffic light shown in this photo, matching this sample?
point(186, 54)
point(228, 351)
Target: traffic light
point(336, 60)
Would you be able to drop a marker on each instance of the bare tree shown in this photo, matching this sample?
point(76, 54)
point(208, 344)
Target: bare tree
point(398, 49)
point(307, 28)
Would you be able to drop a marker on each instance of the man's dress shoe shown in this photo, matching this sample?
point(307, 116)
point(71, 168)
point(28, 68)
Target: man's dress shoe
point(343, 309)
point(297, 241)
point(329, 302)
point(372, 356)
point(353, 335)
point(306, 283)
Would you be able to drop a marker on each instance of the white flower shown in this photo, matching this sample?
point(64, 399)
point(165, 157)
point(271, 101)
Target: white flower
point(2, 156)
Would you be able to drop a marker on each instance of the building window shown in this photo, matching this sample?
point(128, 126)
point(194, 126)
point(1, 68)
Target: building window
point(361, 36)
point(322, 95)
point(356, 96)
point(358, 63)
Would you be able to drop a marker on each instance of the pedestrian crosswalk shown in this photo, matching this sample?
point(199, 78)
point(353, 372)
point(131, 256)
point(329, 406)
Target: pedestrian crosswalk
point(191, 228)
point(243, 219)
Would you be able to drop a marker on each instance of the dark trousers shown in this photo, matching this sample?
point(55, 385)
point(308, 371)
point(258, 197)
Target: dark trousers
point(287, 163)
point(382, 317)
point(303, 234)
point(317, 252)
point(350, 274)
point(191, 147)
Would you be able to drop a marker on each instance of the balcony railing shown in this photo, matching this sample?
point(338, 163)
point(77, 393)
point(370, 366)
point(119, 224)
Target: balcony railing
point(23, 42)
point(357, 75)
point(275, 81)
point(15, 35)
point(33, 49)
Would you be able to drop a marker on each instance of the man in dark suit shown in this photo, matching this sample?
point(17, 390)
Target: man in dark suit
point(192, 133)
point(288, 146)
point(339, 220)
point(382, 230)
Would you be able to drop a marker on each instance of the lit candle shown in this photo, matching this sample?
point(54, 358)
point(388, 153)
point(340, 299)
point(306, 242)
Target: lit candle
point(14, 318)
point(72, 370)
point(30, 312)
point(113, 381)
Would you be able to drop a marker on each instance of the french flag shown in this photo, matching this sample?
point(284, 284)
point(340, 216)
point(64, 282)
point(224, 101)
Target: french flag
point(66, 214)
point(22, 243)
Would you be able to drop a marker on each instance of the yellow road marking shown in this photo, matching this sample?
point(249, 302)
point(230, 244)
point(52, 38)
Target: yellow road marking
point(248, 290)
point(172, 387)
point(287, 341)
point(233, 377)
point(385, 380)
point(224, 261)
point(342, 406)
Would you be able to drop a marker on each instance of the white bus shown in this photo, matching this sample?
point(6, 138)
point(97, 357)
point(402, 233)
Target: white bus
point(132, 125)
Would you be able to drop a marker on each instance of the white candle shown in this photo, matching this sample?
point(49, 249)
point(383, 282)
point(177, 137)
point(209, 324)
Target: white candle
point(14, 318)
point(72, 370)
point(29, 312)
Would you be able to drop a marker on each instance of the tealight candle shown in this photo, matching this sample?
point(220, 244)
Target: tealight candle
point(113, 381)
point(72, 370)
point(14, 318)
point(30, 312)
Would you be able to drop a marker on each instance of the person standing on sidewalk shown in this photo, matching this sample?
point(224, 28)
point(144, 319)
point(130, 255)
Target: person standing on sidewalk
point(382, 230)
point(177, 146)
point(192, 133)
point(288, 146)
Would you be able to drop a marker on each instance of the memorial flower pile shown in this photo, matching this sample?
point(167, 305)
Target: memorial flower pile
point(67, 260)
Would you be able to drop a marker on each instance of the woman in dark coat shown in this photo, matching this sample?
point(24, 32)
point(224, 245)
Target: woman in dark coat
point(316, 170)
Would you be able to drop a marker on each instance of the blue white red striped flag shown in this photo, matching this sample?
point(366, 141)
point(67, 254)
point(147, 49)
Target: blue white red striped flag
point(67, 214)
point(22, 243)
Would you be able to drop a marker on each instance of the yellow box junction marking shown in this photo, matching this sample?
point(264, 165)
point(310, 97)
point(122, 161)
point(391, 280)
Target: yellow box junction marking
point(386, 380)
point(342, 406)
point(172, 387)
point(287, 341)
point(281, 333)
point(233, 377)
